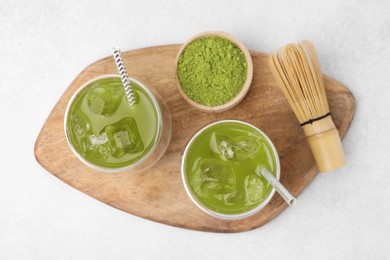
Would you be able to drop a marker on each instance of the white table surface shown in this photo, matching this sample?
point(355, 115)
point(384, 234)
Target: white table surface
point(45, 44)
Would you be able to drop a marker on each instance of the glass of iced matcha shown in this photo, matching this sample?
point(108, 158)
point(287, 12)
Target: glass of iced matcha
point(219, 169)
point(108, 134)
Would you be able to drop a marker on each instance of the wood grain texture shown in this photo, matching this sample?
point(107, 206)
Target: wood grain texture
point(158, 194)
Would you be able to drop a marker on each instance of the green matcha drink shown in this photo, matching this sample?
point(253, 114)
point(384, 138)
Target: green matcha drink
point(219, 169)
point(106, 132)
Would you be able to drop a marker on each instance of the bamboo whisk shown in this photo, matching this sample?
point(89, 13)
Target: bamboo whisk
point(298, 74)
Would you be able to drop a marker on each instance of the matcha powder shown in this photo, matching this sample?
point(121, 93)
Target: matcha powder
point(212, 70)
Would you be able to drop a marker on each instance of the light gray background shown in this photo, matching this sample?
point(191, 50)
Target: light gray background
point(44, 45)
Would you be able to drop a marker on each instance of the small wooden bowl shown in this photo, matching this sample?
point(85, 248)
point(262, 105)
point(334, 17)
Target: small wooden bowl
point(237, 99)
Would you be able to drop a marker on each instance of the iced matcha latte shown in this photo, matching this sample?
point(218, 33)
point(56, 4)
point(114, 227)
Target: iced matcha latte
point(105, 132)
point(219, 169)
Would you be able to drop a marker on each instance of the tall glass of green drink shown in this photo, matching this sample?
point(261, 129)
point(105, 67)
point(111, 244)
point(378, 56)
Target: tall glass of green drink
point(219, 169)
point(108, 134)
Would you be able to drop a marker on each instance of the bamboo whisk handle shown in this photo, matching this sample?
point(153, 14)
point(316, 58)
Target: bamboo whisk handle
point(325, 143)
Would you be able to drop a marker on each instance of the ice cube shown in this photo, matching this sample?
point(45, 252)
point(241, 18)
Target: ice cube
point(124, 137)
point(81, 125)
point(242, 148)
point(214, 178)
point(98, 140)
point(96, 147)
point(254, 188)
point(105, 99)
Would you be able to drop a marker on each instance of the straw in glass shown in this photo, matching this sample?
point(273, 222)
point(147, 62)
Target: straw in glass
point(124, 76)
point(283, 192)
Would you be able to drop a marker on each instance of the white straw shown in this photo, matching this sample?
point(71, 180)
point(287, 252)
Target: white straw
point(284, 193)
point(124, 76)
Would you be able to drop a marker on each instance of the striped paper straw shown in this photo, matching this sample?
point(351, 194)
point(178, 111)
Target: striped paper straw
point(123, 73)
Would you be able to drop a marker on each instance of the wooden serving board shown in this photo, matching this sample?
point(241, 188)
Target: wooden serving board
point(158, 194)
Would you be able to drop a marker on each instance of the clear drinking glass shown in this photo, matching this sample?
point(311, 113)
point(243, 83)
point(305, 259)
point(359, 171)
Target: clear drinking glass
point(225, 176)
point(109, 135)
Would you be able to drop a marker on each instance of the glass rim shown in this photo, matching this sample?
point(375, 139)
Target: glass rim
point(123, 168)
point(199, 204)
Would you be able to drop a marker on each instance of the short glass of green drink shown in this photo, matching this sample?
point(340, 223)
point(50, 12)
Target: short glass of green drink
point(219, 169)
point(108, 134)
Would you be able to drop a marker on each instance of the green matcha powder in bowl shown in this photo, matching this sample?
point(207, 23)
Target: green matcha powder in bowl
point(214, 71)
